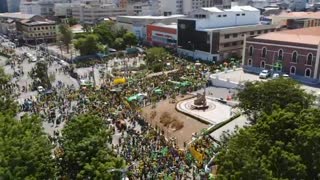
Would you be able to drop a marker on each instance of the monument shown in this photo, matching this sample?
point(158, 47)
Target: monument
point(200, 103)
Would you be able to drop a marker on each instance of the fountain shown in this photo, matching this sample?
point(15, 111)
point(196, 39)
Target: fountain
point(200, 103)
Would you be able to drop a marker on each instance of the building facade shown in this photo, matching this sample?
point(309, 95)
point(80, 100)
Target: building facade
point(294, 52)
point(37, 30)
point(213, 34)
point(170, 7)
point(4, 6)
point(91, 12)
point(138, 24)
point(162, 35)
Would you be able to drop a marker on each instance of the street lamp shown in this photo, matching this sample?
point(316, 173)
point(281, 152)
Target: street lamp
point(192, 44)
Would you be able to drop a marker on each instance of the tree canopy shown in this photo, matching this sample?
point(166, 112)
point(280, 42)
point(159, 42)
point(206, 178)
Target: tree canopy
point(263, 97)
point(88, 45)
point(282, 145)
point(130, 39)
point(65, 35)
point(86, 154)
point(25, 150)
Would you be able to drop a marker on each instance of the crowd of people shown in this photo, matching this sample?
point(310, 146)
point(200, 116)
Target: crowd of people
point(146, 150)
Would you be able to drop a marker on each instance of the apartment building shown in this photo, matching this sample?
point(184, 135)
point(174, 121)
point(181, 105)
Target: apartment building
point(90, 12)
point(169, 7)
point(214, 34)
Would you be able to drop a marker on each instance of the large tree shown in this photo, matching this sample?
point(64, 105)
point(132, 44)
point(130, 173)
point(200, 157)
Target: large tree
point(130, 39)
point(105, 33)
point(263, 97)
point(282, 145)
point(86, 152)
point(88, 45)
point(25, 150)
point(65, 35)
point(156, 54)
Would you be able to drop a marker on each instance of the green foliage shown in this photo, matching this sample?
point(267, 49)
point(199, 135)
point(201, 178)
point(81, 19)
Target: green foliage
point(72, 21)
point(86, 154)
point(283, 145)
point(88, 45)
point(40, 76)
point(130, 39)
point(264, 97)
point(158, 67)
point(156, 54)
point(4, 78)
point(65, 35)
point(104, 32)
point(25, 151)
point(119, 44)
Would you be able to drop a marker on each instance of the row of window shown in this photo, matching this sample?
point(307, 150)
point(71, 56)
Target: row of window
point(42, 34)
point(294, 57)
point(293, 69)
point(235, 35)
point(41, 28)
point(232, 44)
point(224, 15)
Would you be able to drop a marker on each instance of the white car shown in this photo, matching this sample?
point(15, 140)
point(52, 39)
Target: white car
point(275, 75)
point(264, 74)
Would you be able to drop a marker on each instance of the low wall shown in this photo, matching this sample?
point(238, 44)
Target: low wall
point(225, 83)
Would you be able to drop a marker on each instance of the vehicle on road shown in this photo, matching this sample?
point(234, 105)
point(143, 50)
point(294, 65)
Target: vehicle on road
point(264, 74)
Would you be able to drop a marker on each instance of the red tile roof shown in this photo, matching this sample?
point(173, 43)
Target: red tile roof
point(309, 36)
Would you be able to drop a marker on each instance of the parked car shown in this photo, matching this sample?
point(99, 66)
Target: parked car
point(264, 74)
point(275, 75)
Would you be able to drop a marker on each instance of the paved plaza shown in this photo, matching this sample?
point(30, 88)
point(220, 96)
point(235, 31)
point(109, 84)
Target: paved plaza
point(216, 112)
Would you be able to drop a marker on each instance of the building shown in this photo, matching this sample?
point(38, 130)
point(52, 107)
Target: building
point(92, 11)
point(294, 52)
point(170, 7)
point(8, 23)
point(150, 8)
point(138, 24)
point(13, 5)
point(294, 20)
point(37, 30)
point(4, 6)
point(40, 7)
point(214, 34)
point(162, 34)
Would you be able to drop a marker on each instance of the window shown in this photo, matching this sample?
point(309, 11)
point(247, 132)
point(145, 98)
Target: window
point(234, 43)
point(262, 64)
point(264, 52)
point(243, 14)
point(294, 57)
point(259, 32)
point(309, 59)
point(226, 45)
point(249, 62)
point(238, 14)
point(235, 35)
point(226, 36)
point(252, 33)
point(265, 31)
point(219, 15)
point(307, 72)
point(293, 70)
point(250, 50)
point(224, 15)
point(280, 54)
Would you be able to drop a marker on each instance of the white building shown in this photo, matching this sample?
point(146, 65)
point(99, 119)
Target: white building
point(169, 7)
point(213, 17)
point(151, 7)
point(39, 7)
point(92, 11)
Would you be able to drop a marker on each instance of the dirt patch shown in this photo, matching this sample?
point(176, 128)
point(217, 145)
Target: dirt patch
point(172, 122)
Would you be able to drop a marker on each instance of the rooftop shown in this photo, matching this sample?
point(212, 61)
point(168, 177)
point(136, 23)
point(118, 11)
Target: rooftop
point(171, 26)
point(232, 9)
point(17, 15)
point(153, 17)
point(310, 36)
point(315, 15)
